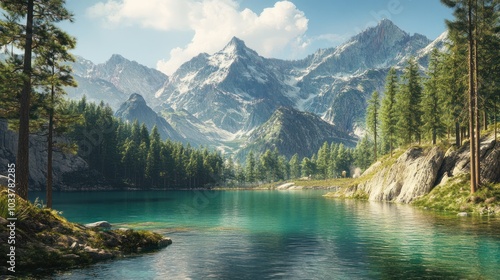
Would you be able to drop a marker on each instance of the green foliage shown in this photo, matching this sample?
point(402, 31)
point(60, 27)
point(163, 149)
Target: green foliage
point(454, 196)
point(363, 156)
point(129, 154)
point(432, 100)
point(295, 171)
point(372, 119)
point(408, 101)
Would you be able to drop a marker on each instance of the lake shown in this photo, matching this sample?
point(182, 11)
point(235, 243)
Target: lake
point(286, 235)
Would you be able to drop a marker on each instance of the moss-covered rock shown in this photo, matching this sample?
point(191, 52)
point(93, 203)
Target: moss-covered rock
point(46, 241)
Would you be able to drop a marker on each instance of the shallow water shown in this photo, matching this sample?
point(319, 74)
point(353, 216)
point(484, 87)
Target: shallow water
point(286, 235)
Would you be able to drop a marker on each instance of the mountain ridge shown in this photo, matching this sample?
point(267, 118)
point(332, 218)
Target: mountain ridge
point(219, 99)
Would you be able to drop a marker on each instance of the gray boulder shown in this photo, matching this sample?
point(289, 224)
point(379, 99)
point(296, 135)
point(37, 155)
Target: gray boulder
point(413, 175)
point(99, 225)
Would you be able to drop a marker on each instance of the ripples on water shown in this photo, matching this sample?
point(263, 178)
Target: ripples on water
point(288, 235)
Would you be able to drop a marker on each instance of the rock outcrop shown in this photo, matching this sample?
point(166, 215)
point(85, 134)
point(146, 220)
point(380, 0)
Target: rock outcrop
point(413, 175)
point(64, 165)
point(417, 171)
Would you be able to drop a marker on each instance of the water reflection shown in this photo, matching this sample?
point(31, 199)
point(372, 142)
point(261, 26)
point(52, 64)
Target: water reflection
point(300, 235)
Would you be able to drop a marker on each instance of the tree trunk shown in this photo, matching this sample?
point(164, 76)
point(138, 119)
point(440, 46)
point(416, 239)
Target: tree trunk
point(472, 142)
point(49, 160)
point(22, 165)
point(477, 137)
point(458, 140)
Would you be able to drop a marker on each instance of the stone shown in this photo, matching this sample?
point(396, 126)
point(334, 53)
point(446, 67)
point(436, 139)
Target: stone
point(4, 181)
point(63, 164)
point(463, 214)
point(412, 175)
point(99, 225)
point(70, 256)
point(164, 242)
point(490, 200)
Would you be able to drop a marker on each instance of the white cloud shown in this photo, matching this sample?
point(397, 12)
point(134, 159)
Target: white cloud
point(214, 23)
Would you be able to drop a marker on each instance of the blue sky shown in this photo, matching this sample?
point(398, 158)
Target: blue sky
point(165, 33)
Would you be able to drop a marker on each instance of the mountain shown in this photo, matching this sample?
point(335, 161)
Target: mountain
point(114, 80)
point(135, 108)
point(239, 90)
point(292, 131)
point(235, 88)
point(230, 99)
point(348, 74)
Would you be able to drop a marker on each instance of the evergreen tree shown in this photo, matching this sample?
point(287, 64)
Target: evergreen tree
point(54, 75)
point(388, 112)
point(372, 119)
point(334, 148)
point(250, 168)
point(323, 161)
point(363, 153)
point(454, 88)
point(432, 100)
point(344, 159)
point(473, 22)
point(153, 161)
point(30, 22)
point(295, 167)
point(308, 167)
point(408, 104)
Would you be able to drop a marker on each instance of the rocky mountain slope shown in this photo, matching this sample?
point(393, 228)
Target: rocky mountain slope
point(292, 131)
point(135, 108)
point(114, 80)
point(219, 99)
point(242, 89)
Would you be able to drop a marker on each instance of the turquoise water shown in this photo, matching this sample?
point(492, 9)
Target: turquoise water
point(286, 235)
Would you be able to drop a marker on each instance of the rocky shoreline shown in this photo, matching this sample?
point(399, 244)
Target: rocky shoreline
point(432, 178)
point(46, 242)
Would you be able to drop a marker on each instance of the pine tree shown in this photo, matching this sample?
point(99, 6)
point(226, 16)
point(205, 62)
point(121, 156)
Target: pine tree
point(455, 85)
point(408, 104)
point(363, 153)
point(250, 168)
point(153, 160)
point(33, 17)
point(308, 167)
point(295, 167)
point(323, 161)
point(432, 100)
point(388, 113)
point(372, 119)
point(53, 74)
point(465, 29)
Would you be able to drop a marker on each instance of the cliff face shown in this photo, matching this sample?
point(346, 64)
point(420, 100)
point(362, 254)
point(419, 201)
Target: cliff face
point(64, 165)
point(417, 171)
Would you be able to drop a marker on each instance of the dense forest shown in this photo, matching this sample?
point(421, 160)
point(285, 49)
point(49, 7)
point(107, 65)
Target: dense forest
point(129, 153)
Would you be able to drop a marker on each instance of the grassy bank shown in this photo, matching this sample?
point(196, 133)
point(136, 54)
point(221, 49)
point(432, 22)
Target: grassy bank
point(45, 241)
point(455, 196)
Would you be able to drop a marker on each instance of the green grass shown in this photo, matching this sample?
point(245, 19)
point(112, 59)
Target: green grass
point(455, 196)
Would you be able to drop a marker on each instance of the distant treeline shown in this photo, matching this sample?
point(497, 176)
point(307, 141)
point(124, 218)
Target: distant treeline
point(129, 153)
